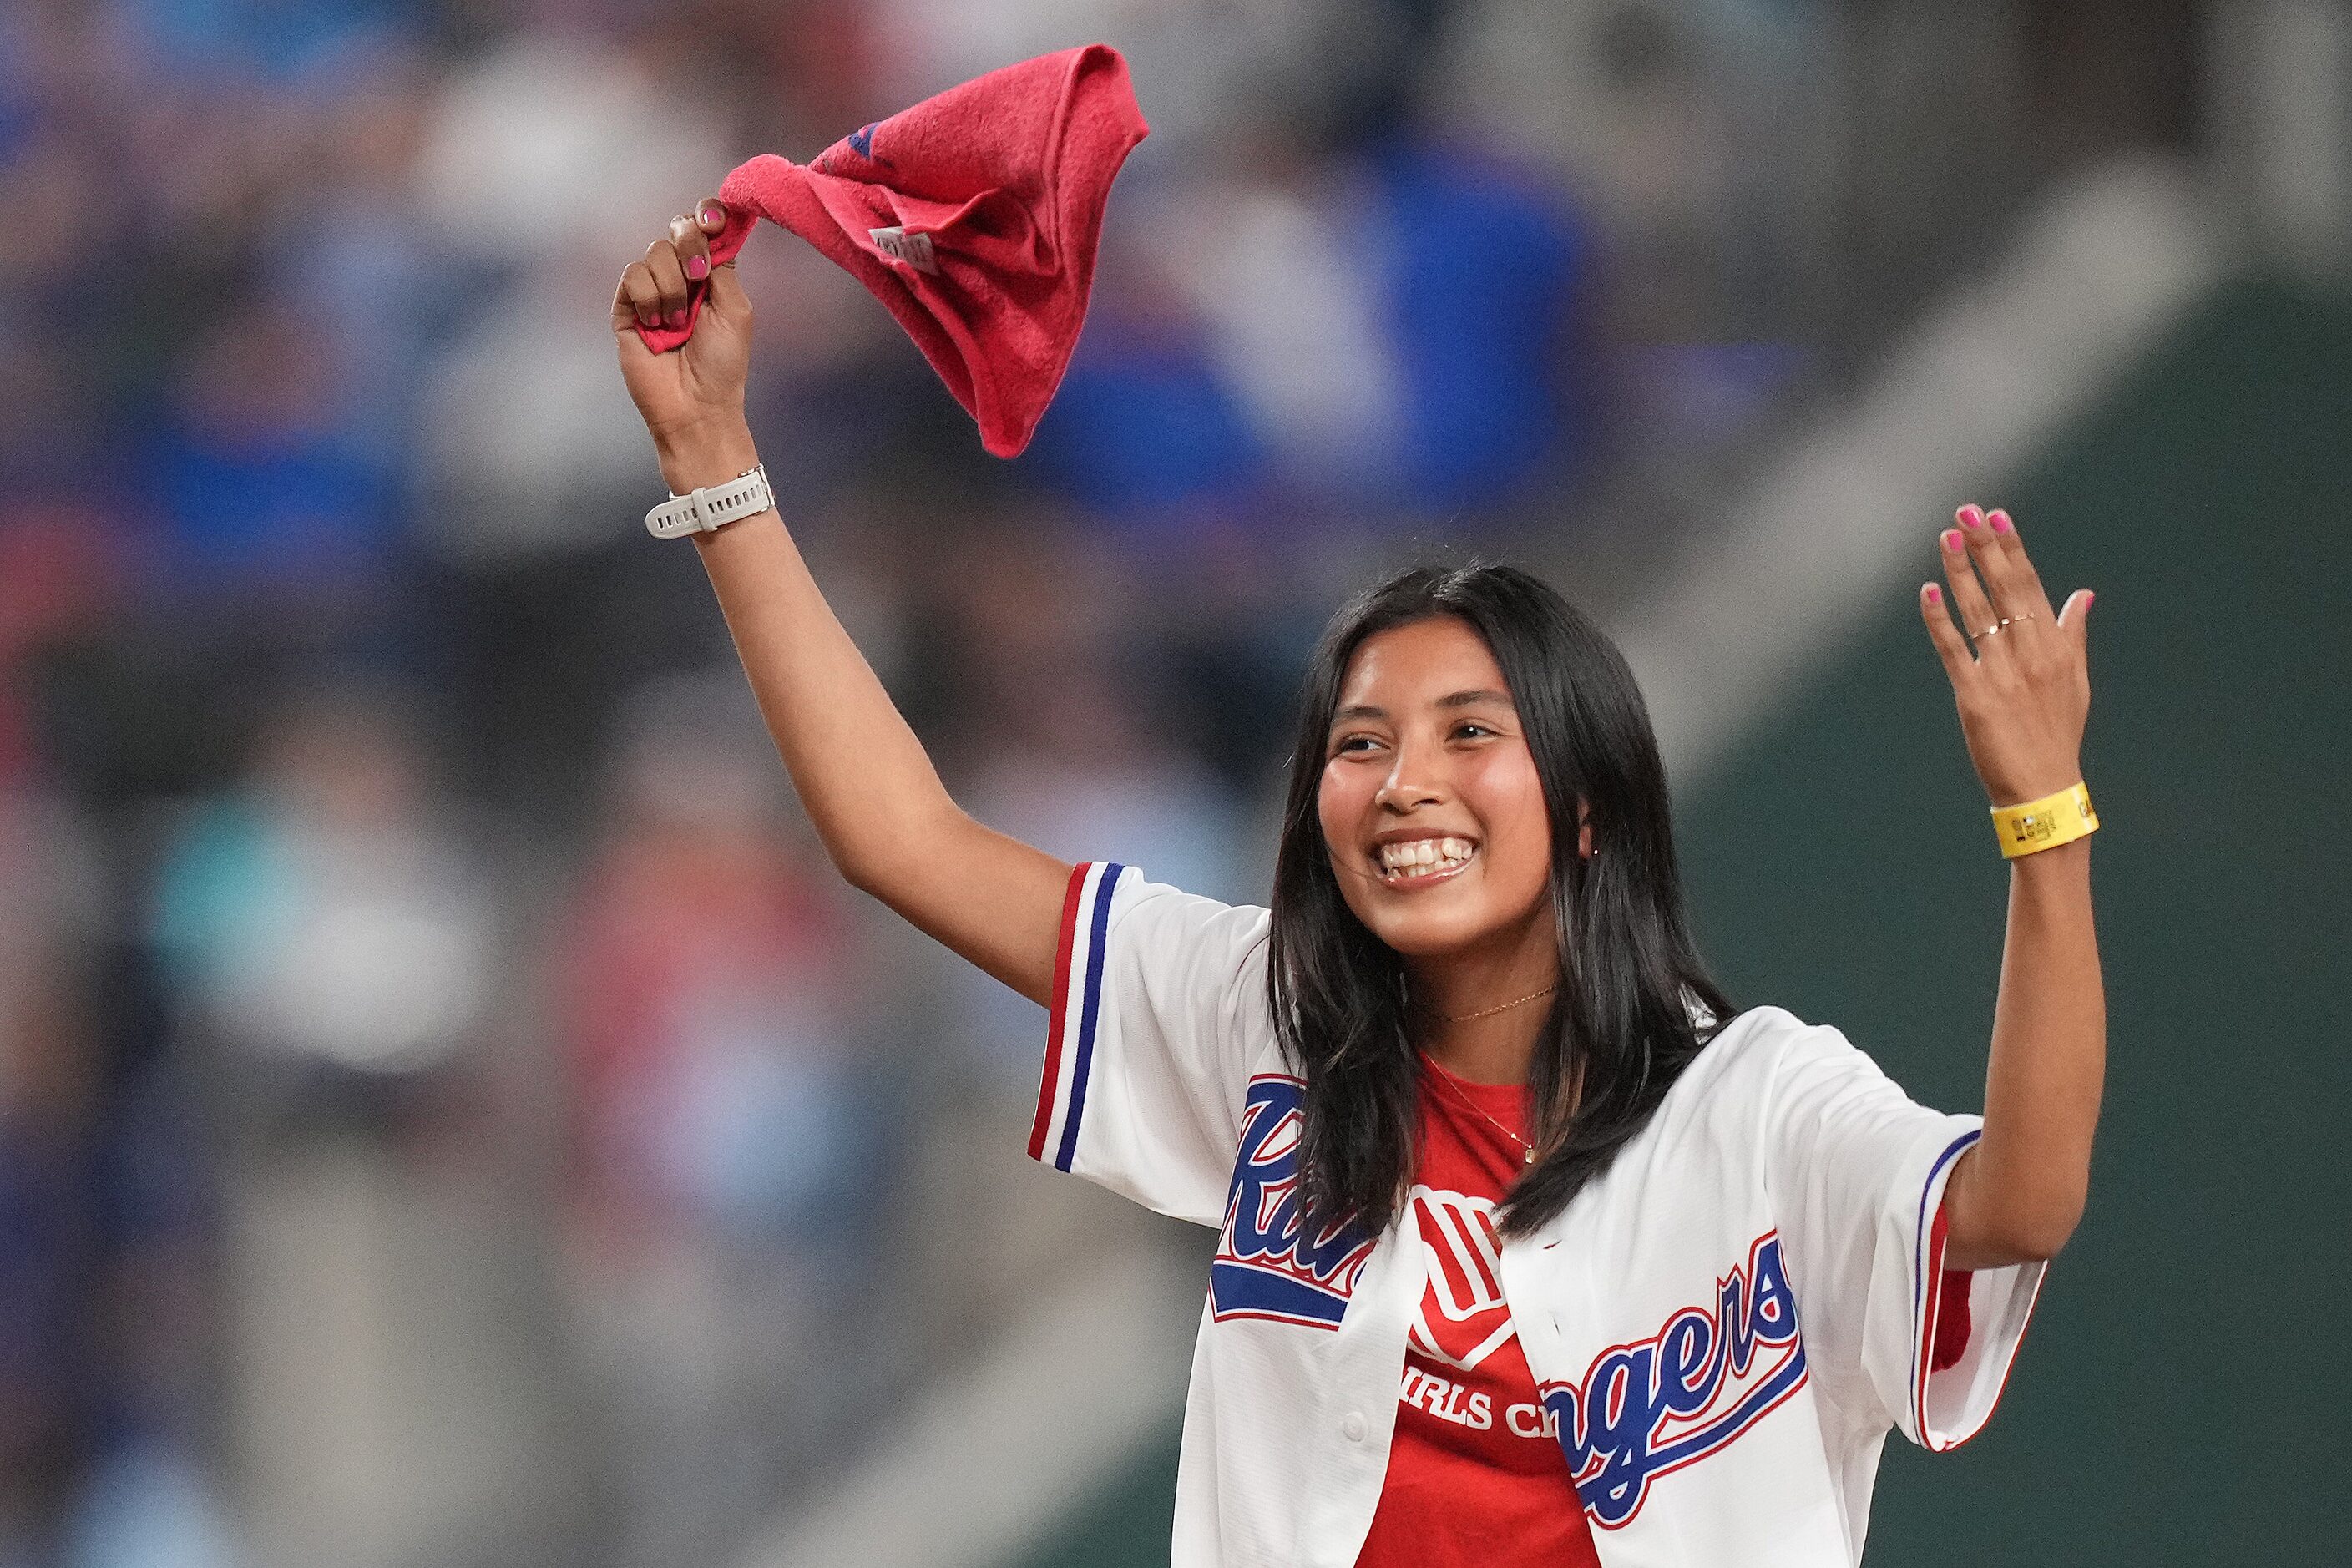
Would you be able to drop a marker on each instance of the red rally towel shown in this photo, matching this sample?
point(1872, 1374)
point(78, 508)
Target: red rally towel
point(973, 215)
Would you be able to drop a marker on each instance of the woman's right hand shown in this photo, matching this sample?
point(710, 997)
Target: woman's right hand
point(695, 389)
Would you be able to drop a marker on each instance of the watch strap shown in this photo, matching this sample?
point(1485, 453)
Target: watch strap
point(710, 507)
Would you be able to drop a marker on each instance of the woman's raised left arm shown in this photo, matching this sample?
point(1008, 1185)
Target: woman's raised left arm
point(2024, 695)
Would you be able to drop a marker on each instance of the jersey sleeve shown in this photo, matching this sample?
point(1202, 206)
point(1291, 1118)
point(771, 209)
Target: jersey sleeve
point(1856, 1172)
point(1158, 1015)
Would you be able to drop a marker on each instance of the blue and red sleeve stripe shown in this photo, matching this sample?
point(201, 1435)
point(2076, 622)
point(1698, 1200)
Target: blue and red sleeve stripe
point(1075, 1013)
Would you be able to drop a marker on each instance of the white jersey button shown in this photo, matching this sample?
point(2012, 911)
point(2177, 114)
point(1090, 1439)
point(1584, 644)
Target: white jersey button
point(1353, 1426)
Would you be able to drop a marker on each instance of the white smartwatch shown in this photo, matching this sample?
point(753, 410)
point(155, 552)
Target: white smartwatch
point(712, 506)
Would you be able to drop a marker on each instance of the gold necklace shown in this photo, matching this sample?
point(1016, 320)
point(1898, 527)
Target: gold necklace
point(1499, 1006)
point(1527, 1149)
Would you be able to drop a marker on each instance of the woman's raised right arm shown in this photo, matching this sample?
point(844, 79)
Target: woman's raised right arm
point(877, 803)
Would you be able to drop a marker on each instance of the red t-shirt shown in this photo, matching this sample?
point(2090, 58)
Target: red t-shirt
point(1474, 1475)
point(1475, 1480)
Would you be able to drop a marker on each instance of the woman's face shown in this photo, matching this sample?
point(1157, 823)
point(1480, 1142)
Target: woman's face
point(1430, 805)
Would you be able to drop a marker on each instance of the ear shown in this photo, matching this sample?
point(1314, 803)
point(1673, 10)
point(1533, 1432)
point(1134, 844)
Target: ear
point(1583, 829)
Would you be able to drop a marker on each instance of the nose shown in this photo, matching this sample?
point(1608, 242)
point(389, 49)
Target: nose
point(1411, 781)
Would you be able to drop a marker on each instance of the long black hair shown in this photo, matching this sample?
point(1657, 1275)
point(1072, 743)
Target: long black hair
point(1628, 968)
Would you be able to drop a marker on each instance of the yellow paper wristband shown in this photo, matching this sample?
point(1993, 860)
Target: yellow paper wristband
point(2045, 824)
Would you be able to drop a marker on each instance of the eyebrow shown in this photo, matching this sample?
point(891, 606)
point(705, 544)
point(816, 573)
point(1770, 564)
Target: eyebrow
point(1453, 699)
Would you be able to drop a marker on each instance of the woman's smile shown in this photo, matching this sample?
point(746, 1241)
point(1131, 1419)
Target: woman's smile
point(1409, 861)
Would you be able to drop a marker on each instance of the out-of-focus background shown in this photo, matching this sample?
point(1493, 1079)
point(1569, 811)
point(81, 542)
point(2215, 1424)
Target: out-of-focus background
point(450, 1113)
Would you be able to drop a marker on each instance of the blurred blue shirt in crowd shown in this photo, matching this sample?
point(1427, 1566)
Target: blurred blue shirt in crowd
point(1467, 268)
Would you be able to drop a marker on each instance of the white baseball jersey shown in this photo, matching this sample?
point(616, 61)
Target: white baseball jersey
point(1723, 1326)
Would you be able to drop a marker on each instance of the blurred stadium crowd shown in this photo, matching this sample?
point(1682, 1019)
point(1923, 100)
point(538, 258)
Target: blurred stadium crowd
point(448, 1111)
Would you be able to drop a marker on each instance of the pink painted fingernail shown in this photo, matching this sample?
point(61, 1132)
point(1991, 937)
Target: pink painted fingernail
point(1970, 516)
point(2000, 523)
point(698, 268)
point(1952, 539)
point(1934, 595)
point(678, 317)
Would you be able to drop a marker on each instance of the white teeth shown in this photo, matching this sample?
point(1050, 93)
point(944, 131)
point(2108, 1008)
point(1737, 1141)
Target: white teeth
point(1420, 857)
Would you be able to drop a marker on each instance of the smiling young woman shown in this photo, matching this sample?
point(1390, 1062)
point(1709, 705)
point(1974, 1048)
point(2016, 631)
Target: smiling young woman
point(1532, 1248)
point(1420, 889)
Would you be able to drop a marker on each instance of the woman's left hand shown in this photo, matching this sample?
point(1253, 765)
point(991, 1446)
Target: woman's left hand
point(2025, 693)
